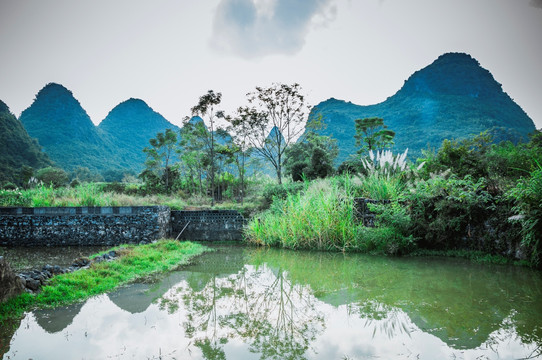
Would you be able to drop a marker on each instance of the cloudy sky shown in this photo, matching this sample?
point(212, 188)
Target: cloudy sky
point(170, 52)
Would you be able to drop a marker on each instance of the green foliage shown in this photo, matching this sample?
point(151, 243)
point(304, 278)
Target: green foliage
point(312, 156)
point(280, 107)
point(20, 153)
point(527, 195)
point(158, 170)
point(376, 187)
point(323, 217)
point(372, 134)
point(274, 192)
point(444, 211)
point(84, 174)
point(52, 176)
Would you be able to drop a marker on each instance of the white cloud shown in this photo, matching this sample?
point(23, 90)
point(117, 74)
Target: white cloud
point(255, 28)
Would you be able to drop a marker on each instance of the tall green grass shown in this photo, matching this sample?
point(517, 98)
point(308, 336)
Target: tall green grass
point(88, 194)
point(323, 217)
point(377, 187)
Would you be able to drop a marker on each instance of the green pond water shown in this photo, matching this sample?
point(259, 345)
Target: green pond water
point(257, 303)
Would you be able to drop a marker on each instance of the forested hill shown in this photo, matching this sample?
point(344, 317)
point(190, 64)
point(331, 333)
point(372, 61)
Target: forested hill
point(130, 125)
point(17, 148)
point(70, 138)
point(65, 130)
point(454, 97)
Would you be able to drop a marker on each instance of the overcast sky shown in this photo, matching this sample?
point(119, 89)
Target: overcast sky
point(170, 52)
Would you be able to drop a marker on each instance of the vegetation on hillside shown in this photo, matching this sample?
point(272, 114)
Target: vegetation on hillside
point(129, 126)
point(454, 97)
point(20, 153)
point(70, 138)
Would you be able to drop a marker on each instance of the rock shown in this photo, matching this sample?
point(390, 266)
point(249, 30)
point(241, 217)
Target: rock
point(81, 262)
point(10, 284)
point(33, 285)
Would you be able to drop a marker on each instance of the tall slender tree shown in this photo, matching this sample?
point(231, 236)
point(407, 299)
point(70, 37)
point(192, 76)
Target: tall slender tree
point(274, 120)
point(159, 156)
point(206, 109)
point(240, 148)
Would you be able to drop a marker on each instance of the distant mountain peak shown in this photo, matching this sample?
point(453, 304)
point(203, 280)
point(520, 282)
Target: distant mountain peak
point(453, 74)
point(54, 89)
point(135, 102)
point(453, 97)
point(56, 111)
point(457, 56)
point(134, 112)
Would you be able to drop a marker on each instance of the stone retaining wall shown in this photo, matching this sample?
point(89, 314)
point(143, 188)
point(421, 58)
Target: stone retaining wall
point(62, 226)
point(362, 212)
point(207, 225)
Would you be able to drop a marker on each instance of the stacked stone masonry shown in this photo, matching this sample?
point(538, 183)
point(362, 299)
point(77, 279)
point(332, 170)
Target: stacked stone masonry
point(64, 226)
point(207, 225)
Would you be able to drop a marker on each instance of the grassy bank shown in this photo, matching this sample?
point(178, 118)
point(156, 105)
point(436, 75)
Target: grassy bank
point(89, 194)
point(136, 262)
point(103, 194)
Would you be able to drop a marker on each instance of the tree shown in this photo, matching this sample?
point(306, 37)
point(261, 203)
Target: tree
point(239, 147)
point(206, 109)
point(193, 152)
point(313, 155)
point(159, 156)
point(280, 108)
point(53, 176)
point(372, 134)
point(84, 174)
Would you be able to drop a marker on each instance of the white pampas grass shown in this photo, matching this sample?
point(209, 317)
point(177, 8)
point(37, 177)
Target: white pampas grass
point(385, 162)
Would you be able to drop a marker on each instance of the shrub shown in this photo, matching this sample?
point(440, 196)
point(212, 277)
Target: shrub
point(391, 235)
point(55, 177)
point(274, 192)
point(527, 195)
point(444, 211)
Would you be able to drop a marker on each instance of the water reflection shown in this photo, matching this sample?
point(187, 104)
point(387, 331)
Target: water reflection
point(269, 304)
point(28, 258)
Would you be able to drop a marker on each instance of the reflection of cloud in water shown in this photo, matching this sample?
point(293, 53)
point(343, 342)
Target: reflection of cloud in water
point(272, 312)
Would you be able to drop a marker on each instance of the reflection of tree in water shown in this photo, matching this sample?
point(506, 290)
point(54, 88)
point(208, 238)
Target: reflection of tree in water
point(8, 327)
point(460, 302)
point(382, 318)
point(262, 308)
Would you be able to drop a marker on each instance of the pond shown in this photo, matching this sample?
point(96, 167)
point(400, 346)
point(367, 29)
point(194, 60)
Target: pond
point(24, 258)
point(257, 303)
